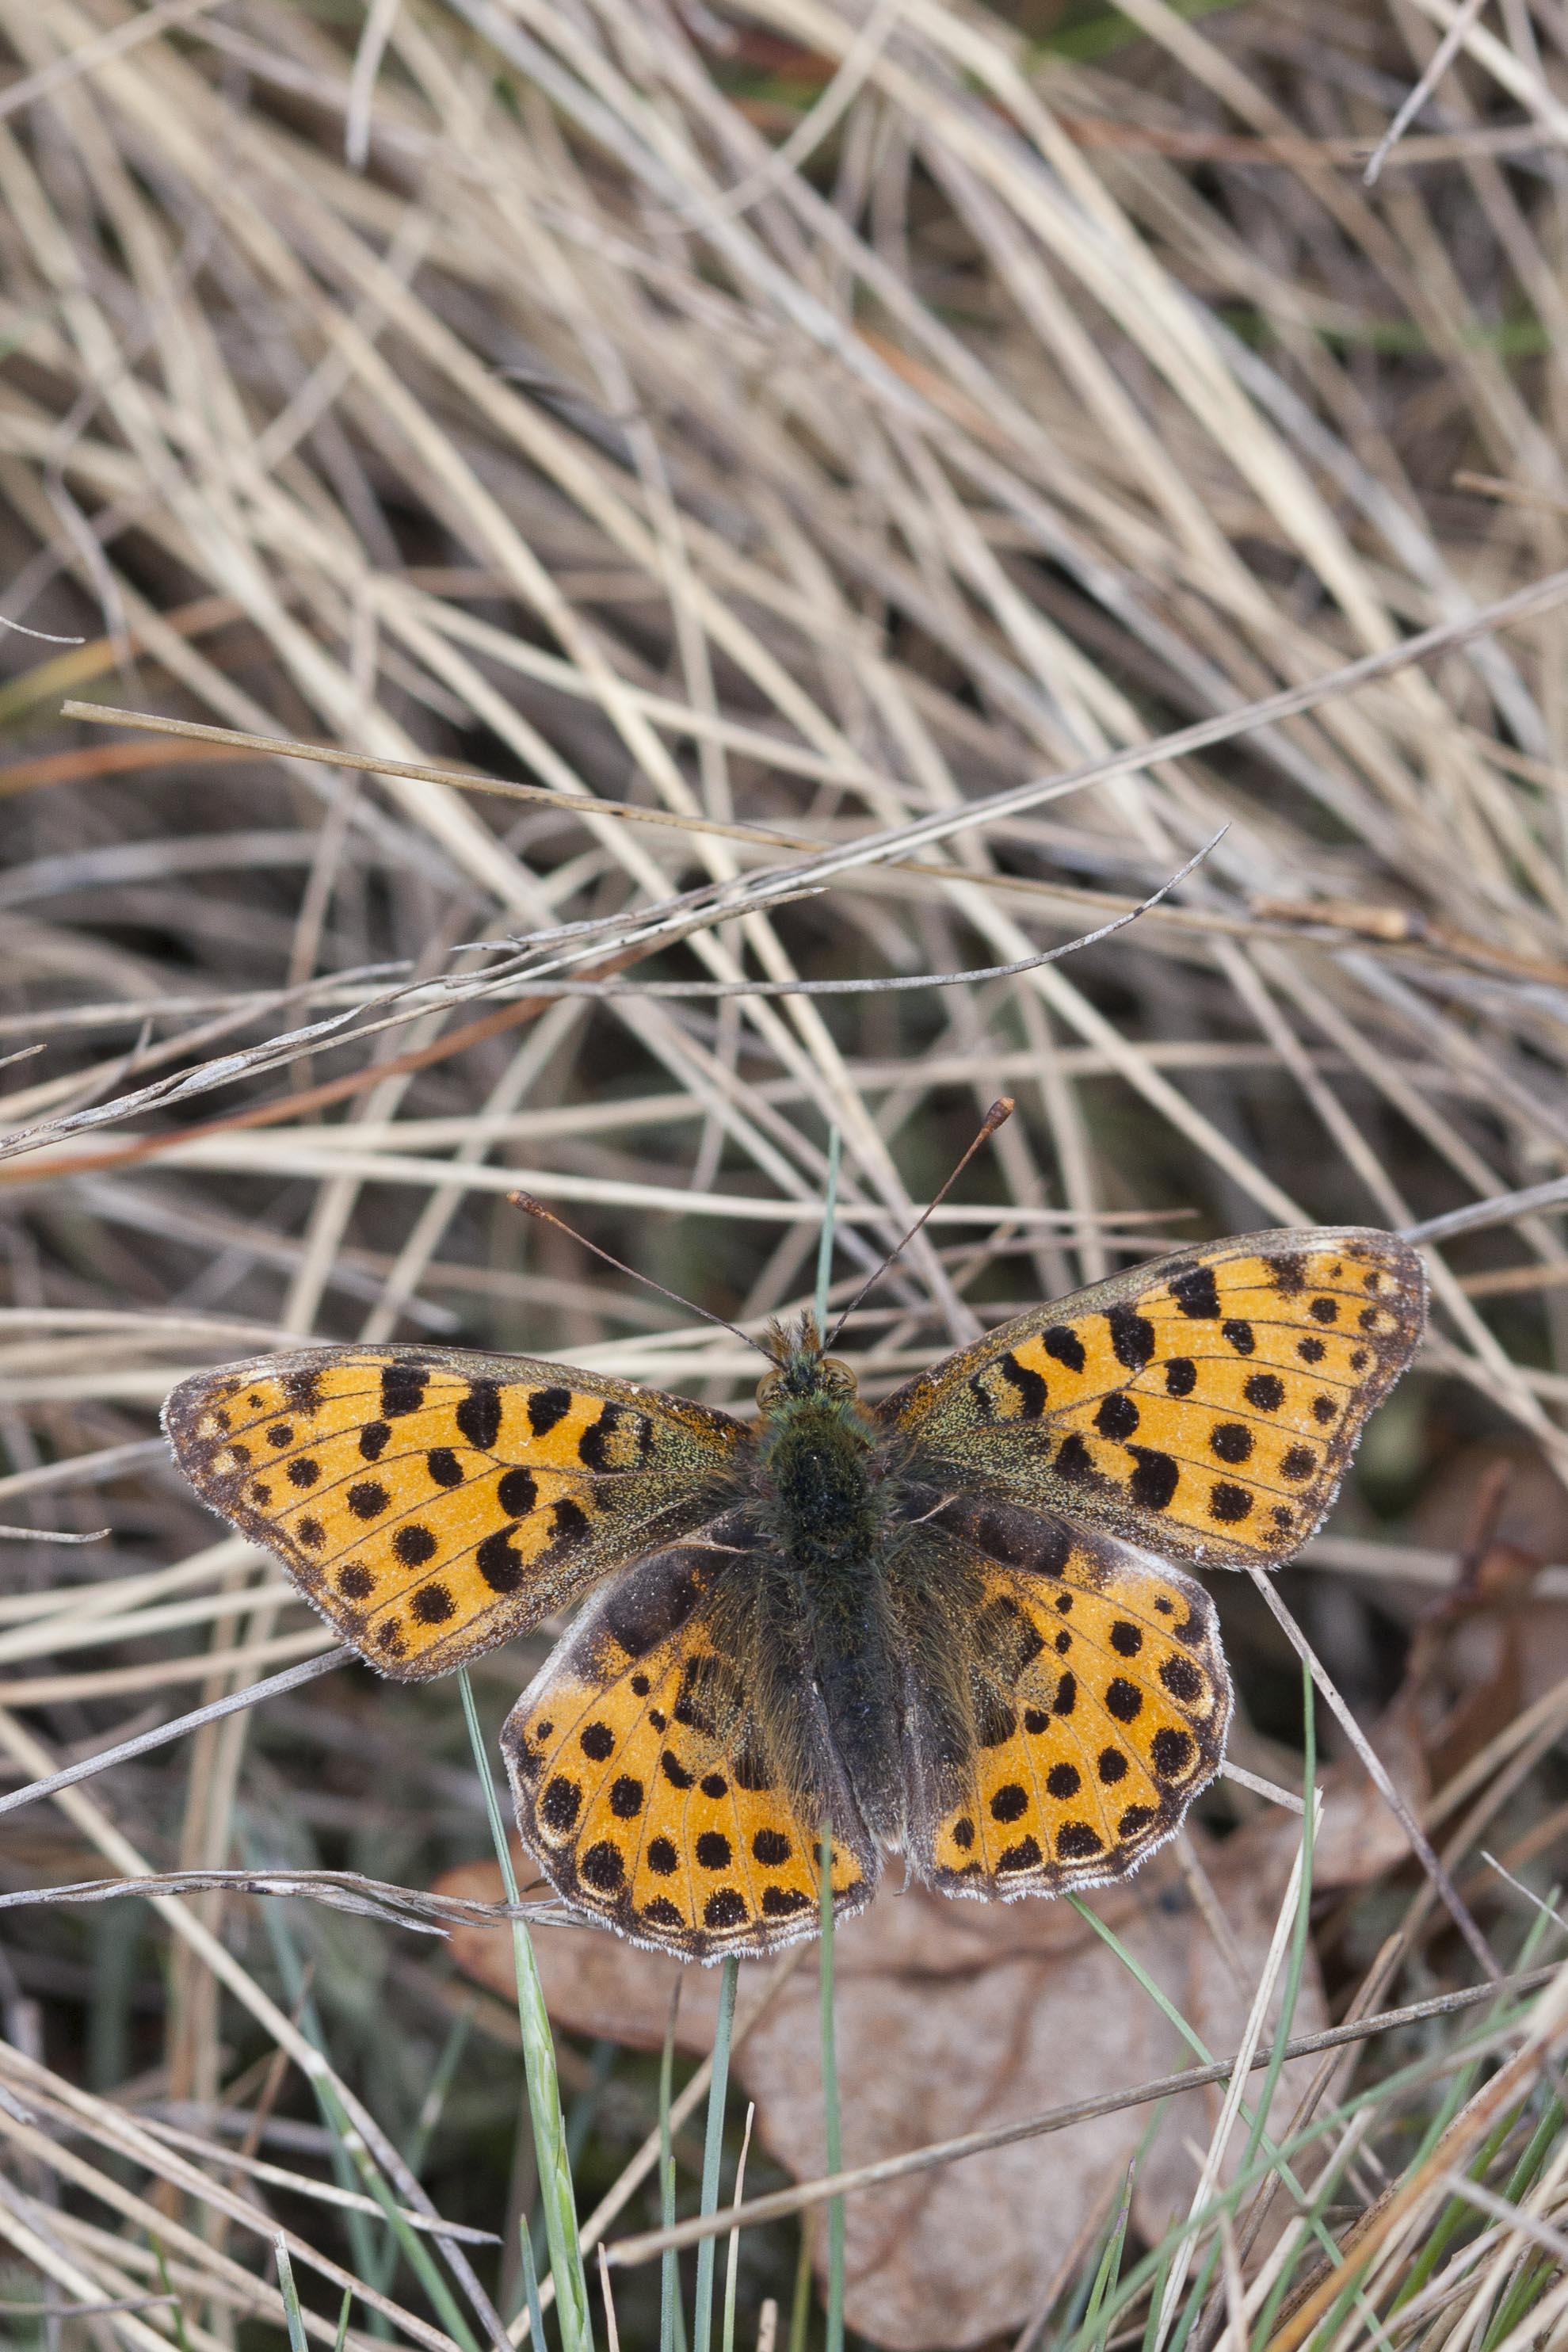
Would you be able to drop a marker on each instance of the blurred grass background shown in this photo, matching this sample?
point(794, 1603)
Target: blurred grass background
point(823, 419)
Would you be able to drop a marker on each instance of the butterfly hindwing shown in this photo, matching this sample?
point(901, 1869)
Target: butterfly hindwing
point(1208, 1404)
point(431, 1503)
point(644, 1785)
point(1097, 1707)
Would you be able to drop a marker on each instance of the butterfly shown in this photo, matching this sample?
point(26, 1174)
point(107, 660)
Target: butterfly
point(954, 1622)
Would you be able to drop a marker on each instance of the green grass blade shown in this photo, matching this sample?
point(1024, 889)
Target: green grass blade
point(556, 2190)
point(290, 2294)
point(713, 2150)
point(670, 2264)
point(531, 2283)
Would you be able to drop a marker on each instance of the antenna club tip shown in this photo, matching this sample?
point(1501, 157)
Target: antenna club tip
point(1000, 1111)
point(527, 1202)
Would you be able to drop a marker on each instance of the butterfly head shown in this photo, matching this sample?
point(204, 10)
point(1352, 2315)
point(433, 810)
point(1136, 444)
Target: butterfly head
point(800, 1369)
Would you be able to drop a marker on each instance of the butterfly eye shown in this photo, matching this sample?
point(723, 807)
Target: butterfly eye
point(837, 1377)
point(767, 1388)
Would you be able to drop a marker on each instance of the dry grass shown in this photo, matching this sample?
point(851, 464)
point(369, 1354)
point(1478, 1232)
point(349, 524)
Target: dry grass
point(947, 463)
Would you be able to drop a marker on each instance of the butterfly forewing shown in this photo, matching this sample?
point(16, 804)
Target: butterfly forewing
point(645, 1785)
point(1099, 1702)
point(1208, 1404)
point(431, 1503)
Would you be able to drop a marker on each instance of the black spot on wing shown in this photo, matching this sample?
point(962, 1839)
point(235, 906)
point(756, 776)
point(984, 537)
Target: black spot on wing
point(1181, 1678)
point(1195, 1294)
point(546, 1407)
point(1117, 1416)
point(303, 1389)
point(1029, 1386)
point(478, 1415)
point(1064, 1346)
point(1076, 1841)
point(403, 1389)
point(1131, 1337)
point(1073, 1459)
point(1155, 1480)
point(498, 1563)
point(517, 1491)
point(593, 1446)
point(560, 1804)
point(602, 1867)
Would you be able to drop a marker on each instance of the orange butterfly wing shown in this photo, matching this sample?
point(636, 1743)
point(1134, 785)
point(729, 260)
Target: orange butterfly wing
point(1207, 1405)
point(644, 1783)
point(431, 1503)
point(1097, 1707)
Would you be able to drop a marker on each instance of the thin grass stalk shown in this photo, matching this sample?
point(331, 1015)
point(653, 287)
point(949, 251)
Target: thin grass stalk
point(713, 2149)
point(176, 2311)
point(670, 2264)
point(1296, 1967)
point(732, 2255)
point(800, 2295)
point(434, 2100)
point(1159, 2273)
point(556, 2190)
point(832, 2133)
point(830, 1218)
point(612, 2327)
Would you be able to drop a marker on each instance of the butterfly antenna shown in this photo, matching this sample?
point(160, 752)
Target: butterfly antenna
point(1000, 1111)
point(527, 1203)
